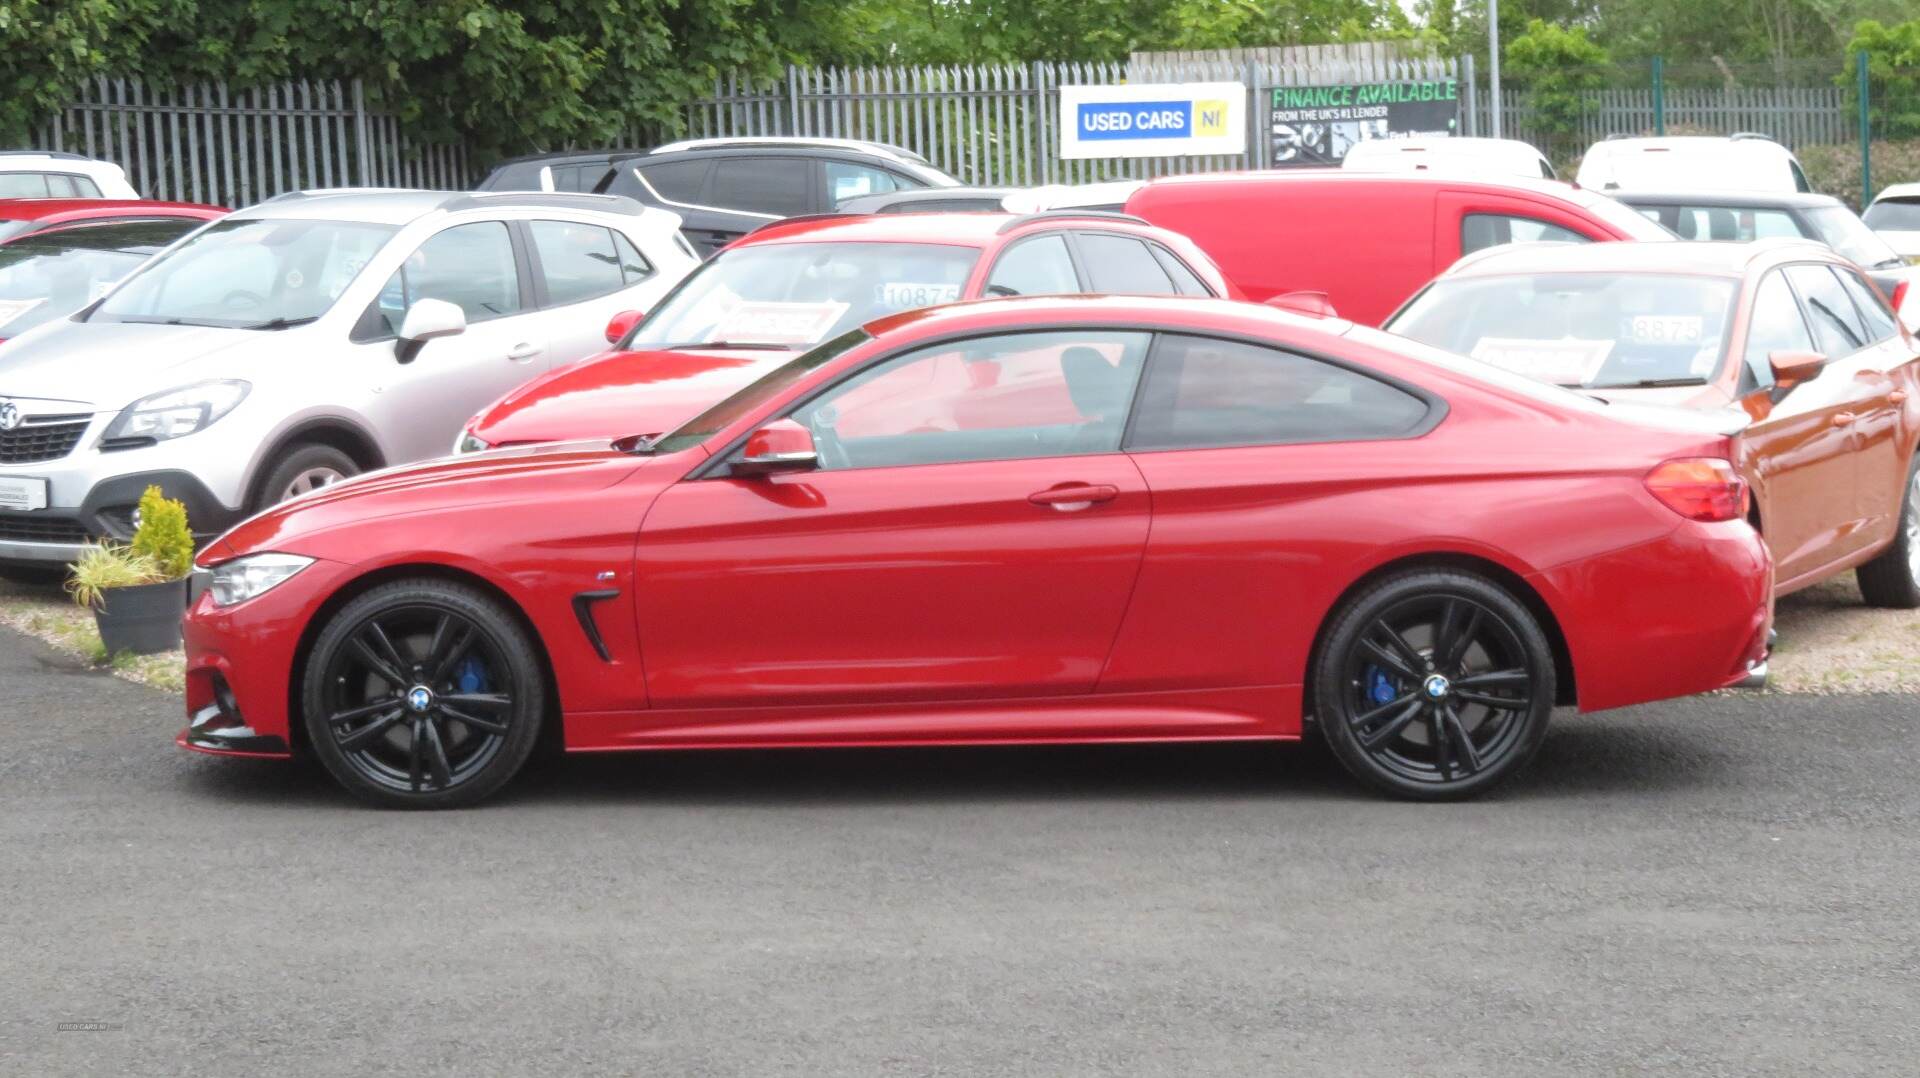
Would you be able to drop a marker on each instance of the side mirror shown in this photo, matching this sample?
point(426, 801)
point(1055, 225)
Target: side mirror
point(1790, 368)
point(622, 324)
point(781, 446)
point(1311, 304)
point(425, 320)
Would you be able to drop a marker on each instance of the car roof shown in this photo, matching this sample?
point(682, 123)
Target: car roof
point(1764, 199)
point(1899, 191)
point(1686, 142)
point(959, 229)
point(40, 209)
point(392, 206)
point(1706, 258)
point(737, 142)
point(923, 194)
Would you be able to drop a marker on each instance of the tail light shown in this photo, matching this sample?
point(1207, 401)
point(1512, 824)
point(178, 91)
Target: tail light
point(1700, 488)
point(1899, 297)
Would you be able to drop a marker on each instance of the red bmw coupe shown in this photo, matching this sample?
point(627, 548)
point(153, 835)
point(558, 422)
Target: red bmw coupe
point(1013, 521)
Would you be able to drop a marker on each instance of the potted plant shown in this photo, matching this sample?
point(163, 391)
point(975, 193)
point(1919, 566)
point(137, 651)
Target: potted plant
point(138, 591)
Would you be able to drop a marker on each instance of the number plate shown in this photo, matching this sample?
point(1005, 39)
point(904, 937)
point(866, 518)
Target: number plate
point(17, 493)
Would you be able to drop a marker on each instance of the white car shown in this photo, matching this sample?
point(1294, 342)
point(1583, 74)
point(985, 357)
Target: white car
point(1481, 158)
point(1744, 162)
point(1109, 196)
point(1895, 214)
point(47, 174)
point(303, 340)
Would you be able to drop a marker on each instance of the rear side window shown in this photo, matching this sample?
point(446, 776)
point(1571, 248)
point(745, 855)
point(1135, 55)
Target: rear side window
point(680, 181)
point(1203, 392)
point(470, 266)
point(1836, 325)
point(1479, 231)
point(1879, 321)
point(1185, 280)
point(577, 261)
point(771, 185)
point(634, 266)
point(1775, 325)
point(847, 180)
point(1035, 267)
point(1122, 265)
point(23, 185)
point(1733, 223)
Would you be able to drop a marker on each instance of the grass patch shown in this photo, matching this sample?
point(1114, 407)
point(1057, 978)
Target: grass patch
point(46, 613)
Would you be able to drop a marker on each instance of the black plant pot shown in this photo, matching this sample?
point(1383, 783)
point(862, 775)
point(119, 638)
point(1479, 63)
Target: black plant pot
point(143, 619)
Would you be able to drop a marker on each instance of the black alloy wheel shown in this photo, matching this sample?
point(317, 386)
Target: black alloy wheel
point(423, 694)
point(1434, 685)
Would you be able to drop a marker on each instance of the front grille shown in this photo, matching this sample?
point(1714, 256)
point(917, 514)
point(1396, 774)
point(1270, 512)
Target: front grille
point(34, 528)
point(42, 438)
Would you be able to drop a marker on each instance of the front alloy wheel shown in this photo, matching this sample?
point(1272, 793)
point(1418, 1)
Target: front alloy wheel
point(1434, 685)
point(423, 694)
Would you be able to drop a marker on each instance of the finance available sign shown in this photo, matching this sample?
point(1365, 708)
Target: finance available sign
point(1315, 125)
point(1188, 119)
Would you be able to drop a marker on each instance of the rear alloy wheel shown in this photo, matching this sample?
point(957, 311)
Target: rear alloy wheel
point(423, 694)
point(1892, 578)
point(1434, 685)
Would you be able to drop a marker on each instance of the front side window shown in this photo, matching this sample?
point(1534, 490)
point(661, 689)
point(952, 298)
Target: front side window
point(1037, 267)
point(1725, 223)
point(1479, 231)
point(469, 266)
point(847, 180)
point(770, 185)
point(1122, 265)
point(1184, 279)
point(1594, 330)
point(1008, 397)
point(1775, 325)
point(1205, 392)
point(1837, 327)
point(795, 295)
point(679, 181)
point(577, 261)
point(258, 273)
point(1879, 321)
point(1894, 215)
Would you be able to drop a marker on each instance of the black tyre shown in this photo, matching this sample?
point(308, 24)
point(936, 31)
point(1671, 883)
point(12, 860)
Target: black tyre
point(1433, 685)
point(301, 469)
point(1892, 578)
point(423, 694)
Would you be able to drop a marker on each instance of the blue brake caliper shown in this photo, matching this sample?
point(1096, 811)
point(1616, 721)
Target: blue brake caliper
point(1380, 688)
point(470, 676)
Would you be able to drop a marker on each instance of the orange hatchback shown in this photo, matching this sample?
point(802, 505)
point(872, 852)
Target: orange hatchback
point(1788, 333)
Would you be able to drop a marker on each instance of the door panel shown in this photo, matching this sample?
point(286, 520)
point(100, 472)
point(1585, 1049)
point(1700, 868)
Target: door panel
point(879, 585)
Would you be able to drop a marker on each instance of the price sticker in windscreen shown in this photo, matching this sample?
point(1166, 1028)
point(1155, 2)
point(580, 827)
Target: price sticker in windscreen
point(908, 295)
point(1665, 328)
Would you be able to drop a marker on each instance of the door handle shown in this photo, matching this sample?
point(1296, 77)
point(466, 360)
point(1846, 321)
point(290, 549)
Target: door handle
point(1844, 419)
point(523, 351)
point(1073, 497)
point(1898, 396)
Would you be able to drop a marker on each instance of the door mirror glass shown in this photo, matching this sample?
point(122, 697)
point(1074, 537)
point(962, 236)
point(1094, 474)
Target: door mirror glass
point(781, 446)
point(622, 324)
point(1792, 368)
point(430, 318)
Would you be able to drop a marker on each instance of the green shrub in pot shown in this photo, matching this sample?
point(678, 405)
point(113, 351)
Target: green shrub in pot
point(138, 591)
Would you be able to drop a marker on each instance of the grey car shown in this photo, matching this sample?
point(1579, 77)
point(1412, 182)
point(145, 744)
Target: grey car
point(303, 340)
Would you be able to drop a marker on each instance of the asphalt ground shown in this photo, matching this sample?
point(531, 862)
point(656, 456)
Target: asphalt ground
point(1722, 885)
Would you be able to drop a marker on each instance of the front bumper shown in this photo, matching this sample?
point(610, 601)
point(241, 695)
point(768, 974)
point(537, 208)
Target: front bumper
point(58, 535)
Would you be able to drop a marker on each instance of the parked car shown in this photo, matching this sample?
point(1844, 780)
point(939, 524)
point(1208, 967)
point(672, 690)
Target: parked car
point(583, 171)
point(724, 188)
point(931, 200)
point(303, 340)
point(57, 256)
point(1895, 215)
point(1741, 162)
point(1473, 158)
point(790, 286)
point(1368, 240)
point(51, 174)
point(1786, 334)
point(1111, 196)
point(1037, 520)
point(1753, 215)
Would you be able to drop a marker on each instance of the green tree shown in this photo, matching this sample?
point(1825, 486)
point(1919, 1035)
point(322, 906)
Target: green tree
point(1893, 76)
point(1558, 68)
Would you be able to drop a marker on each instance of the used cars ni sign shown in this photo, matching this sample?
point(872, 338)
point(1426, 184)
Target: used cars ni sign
point(1016, 521)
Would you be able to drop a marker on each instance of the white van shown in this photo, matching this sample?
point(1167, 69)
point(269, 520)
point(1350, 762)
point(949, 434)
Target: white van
point(1742, 162)
point(1479, 158)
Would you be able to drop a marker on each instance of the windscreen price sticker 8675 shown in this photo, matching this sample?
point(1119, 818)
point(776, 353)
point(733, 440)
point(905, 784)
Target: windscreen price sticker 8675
point(1316, 125)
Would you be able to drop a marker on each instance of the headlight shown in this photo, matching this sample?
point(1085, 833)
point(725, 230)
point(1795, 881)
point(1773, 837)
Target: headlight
point(177, 412)
point(243, 578)
point(468, 442)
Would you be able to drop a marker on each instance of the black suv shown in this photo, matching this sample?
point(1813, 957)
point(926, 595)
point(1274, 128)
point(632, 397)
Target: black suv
point(724, 188)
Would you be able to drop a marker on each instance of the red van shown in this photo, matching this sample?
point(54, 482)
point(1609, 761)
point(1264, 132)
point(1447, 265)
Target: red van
point(1370, 241)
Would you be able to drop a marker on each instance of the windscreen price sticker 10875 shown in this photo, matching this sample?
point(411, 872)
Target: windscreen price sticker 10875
point(1316, 125)
point(1187, 119)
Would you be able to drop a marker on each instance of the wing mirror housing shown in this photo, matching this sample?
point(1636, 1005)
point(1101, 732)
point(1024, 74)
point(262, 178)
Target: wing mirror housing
point(781, 446)
point(1790, 368)
point(426, 320)
point(622, 324)
point(1311, 304)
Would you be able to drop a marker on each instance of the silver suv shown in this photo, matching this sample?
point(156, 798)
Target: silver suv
point(303, 340)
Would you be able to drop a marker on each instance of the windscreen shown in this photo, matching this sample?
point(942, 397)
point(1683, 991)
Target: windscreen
point(1842, 231)
point(1590, 330)
point(46, 275)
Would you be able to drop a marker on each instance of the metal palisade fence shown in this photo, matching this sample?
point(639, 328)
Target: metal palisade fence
point(999, 125)
point(1796, 116)
point(236, 147)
